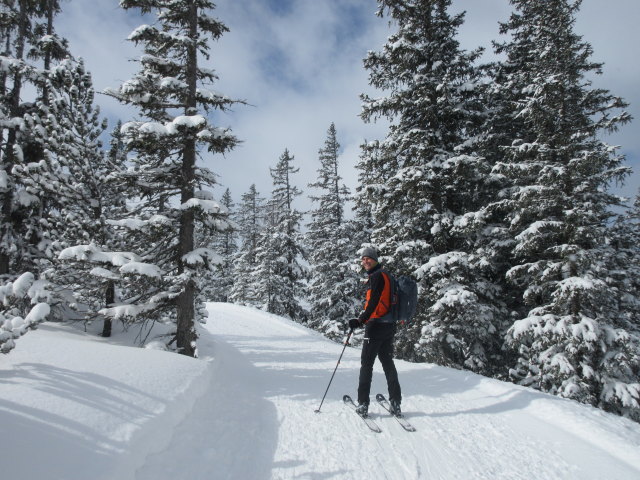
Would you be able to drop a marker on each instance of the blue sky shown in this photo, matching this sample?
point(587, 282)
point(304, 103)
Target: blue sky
point(298, 63)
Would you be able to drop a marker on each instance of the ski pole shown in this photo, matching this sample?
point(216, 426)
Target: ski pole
point(346, 342)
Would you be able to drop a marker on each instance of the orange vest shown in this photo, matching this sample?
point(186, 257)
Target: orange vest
point(385, 298)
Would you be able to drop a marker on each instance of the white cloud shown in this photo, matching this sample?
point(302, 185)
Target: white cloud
point(299, 64)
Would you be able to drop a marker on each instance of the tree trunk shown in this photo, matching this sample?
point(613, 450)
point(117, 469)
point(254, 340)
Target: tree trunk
point(186, 332)
point(110, 297)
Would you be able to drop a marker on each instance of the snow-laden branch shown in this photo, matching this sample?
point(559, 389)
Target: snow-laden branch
point(136, 224)
point(208, 206)
point(91, 253)
point(202, 256)
point(127, 311)
point(12, 325)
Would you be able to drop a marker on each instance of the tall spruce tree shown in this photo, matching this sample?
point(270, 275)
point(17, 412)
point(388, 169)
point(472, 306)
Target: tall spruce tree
point(333, 285)
point(622, 254)
point(28, 211)
point(363, 208)
point(218, 283)
point(30, 47)
point(170, 91)
point(73, 180)
point(280, 251)
point(429, 184)
point(556, 206)
point(250, 219)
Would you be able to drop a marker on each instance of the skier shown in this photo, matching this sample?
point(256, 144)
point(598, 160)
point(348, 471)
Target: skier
point(378, 334)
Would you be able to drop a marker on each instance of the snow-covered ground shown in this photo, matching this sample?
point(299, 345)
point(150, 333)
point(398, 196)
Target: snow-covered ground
point(76, 406)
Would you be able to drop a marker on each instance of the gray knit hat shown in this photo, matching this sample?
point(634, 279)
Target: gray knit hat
point(369, 252)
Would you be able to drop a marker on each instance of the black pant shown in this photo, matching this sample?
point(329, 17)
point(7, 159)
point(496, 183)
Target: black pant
point(378, 342)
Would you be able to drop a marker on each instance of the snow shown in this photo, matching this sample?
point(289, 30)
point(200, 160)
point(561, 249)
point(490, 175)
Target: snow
point(138, 224)
point(104, 273)
point(92, 253)
point(140, 32)
point(38, 313)
point(202, 256)
point(157, 129)
point(22, 284)
point(26, 199)
point(209, 206)
point(127, 310)
point(74, 405)
point(140, 268)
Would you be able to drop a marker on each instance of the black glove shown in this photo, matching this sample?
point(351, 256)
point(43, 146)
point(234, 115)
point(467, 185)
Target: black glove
point(354, 323)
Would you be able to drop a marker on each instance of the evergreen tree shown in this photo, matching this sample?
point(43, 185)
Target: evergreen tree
point(170, 92)
point(428, 184)
point(333, 285)
point(567, 340)
point(250, 221)
point(279, 273)
point(26, 210)
point(363, 208)
point(69, 181)
point(218, 284)
point(25, 37)
point(621, 253)
point(93, 198)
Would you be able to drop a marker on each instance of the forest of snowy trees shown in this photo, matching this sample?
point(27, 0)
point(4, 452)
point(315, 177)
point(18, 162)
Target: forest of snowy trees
point(492, 188)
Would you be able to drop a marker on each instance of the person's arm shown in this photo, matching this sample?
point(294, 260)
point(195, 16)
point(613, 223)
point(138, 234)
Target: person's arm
point(377, 286)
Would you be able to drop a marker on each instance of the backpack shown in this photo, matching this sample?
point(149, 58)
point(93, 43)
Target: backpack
point(407, 299)
point(404, 299)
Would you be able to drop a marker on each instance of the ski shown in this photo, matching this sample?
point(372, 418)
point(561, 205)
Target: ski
point(382, 400)
point(367, 419)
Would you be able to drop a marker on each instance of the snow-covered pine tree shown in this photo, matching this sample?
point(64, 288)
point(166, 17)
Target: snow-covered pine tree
point(171, 93)
point(622, 254)
point(71, 179)
point(429, 184)
point(333, 285)
point(28, 36)
point(15, 27)
point(568, 339)
point(93, 196)
point(620, 257)
point(21, 210)
point(279, 273)
point(265, 280)
point(218, 282)
point(363, 221)
point(250, 219)
point(117, 156)
point(361, 227)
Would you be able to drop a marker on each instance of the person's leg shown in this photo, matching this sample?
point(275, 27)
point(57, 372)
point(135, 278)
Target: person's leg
point(385, 355)
point(368, 356)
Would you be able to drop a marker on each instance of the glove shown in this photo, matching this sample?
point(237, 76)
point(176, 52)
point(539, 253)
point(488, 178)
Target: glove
point(354, 323)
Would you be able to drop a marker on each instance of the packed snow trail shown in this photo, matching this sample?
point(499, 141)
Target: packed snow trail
point(77, 406)
point(270, 377)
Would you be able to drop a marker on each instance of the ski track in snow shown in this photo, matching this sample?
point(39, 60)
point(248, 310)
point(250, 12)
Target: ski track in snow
point(73, 406)
point(270, 377)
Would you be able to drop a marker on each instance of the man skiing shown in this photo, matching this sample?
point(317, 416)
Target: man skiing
point(378, 334)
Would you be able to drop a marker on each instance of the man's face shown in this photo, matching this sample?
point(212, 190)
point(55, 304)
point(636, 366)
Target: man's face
point(368, 263)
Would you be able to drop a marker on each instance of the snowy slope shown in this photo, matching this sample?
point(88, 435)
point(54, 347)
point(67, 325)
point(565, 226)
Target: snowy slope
point(74, 406)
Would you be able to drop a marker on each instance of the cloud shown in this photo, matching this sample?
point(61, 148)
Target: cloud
point(301, 69)
point(298, 63)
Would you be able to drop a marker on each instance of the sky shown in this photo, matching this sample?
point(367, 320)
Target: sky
point(298, 66)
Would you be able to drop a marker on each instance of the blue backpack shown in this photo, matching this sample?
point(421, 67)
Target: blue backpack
point(404, 299)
